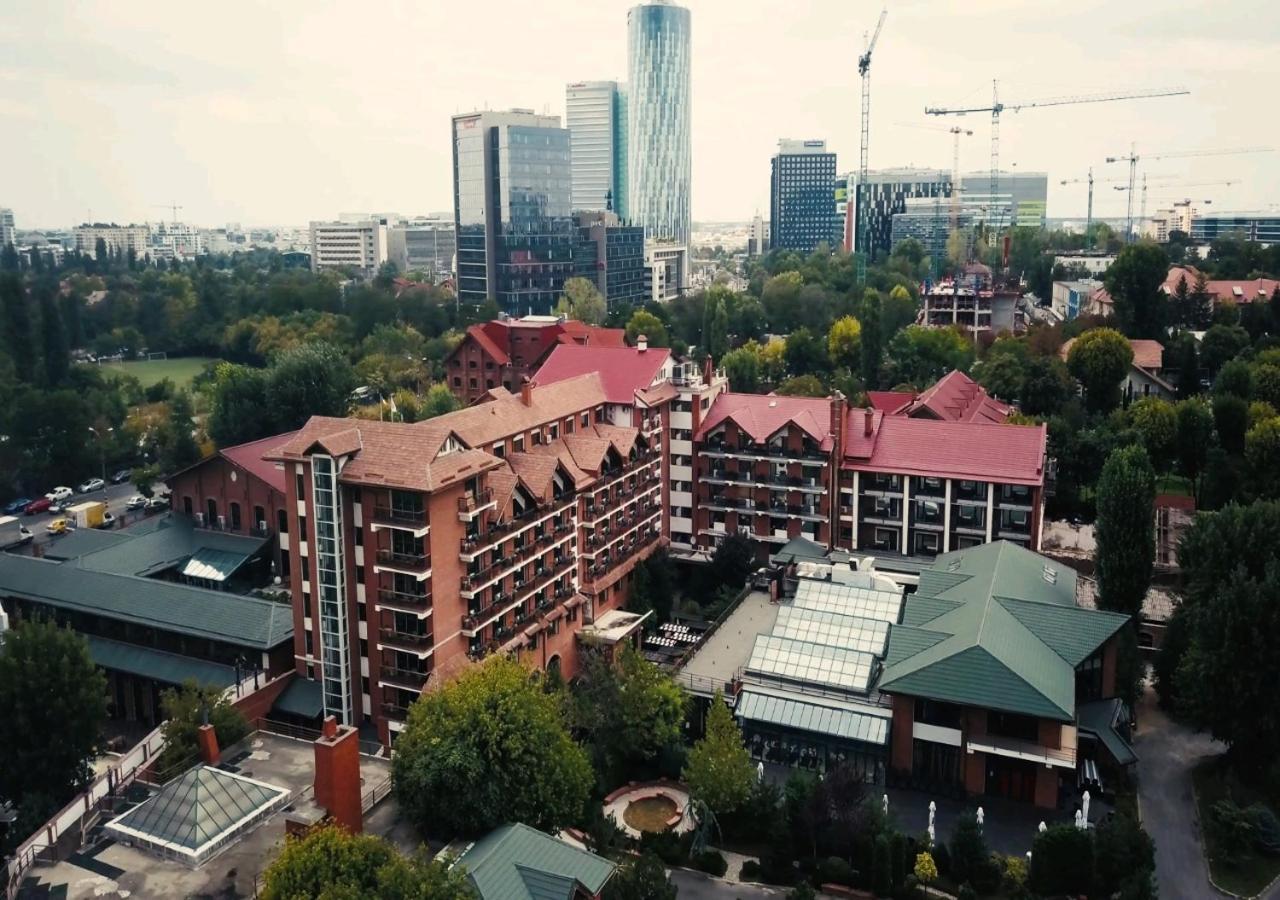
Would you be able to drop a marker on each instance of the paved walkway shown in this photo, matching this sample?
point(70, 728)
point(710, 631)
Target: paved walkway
point(1167, 751)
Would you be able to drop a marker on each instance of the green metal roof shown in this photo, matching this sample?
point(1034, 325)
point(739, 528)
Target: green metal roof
point(1100, 718)
point(84, 541)
point(157, 665)
point(303, 697)
point(166, 605)
point(164, 542)
point(799, 549)
point(848, 721)
point(516, 862)
point(1011, 633)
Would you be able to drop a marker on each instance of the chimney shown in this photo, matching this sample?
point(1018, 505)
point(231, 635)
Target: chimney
point(708, 370)
point(642, 342)
point(526, 391)
point(207, 741)
point(867, 418)
point(337, 781)
point(837, 416)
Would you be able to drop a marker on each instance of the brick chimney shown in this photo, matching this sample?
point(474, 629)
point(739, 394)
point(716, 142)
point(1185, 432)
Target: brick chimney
point(708, 370)
point(207, 741)
point(526, 391)
point(837, 416)
point(868, 417)
point(337, 783)
point(642, 342)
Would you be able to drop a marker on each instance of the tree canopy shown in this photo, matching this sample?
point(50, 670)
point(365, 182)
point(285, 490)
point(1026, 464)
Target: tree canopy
point(1099, 359)
point(719, 770)
point(1125, 531)
point(582, 301)
point(1134, 281)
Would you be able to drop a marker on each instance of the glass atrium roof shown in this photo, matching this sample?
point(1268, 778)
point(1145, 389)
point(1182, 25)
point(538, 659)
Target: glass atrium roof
point(849, 600)
point(817, 664)
point(837, 630)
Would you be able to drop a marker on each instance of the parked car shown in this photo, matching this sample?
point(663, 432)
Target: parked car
point(57, 526)
point(156, 504)
point(108, 521)
point(61, 493)
point(137, 501)
point(17, 506)
point(58, 507)
point(38, 506)
point(93, 484)
point(122, 476)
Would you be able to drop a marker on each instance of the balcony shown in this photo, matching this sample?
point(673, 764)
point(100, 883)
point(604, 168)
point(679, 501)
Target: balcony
point(395, 711)
point(497, 532)
point(418, 564)
point(406, 519)
point(408, 679)
point(766, 452)
point(421, 644)
point(403, 600)
point(621, 554)
point(471, 505)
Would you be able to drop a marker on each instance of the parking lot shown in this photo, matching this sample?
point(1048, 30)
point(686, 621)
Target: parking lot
point(115, 496)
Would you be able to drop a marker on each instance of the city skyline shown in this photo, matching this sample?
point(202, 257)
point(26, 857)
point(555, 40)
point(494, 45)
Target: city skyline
point(142, 111)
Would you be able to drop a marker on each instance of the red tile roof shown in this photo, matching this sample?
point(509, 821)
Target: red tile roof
point(624, 370)
point(250, 457)
point(1242, 290)
point(574, 332)
point(889, 401)
point(1009, 454)
point(539, 337)
point(1148, 355)
point(958, 398)
point(480, 334)
point(762, 415)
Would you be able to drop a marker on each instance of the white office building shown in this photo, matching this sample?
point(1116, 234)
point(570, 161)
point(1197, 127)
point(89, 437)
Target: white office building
point(596, 116)
point(425, 244)
point(8, 232)
point(360, 246)
point(118, 238)
point(666, 270)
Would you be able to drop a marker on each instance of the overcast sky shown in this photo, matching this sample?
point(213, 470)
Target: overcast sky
point(282, 112)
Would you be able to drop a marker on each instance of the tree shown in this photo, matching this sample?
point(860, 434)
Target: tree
point(1234, 378)
point(185, 710)
point(57, 359)
point(1184, 359)
point(719, 770)
point(53, 703)
point(897, 312)
point(178, 447)
point(872, 349)
point(629, 708)
point(1099, 359)
point(1061, 861)
point(1231, 419)
point(731, 563)
point(844, 342)
point(646, 323)
point(582, 301)
point(806, 354)
point(773, 360)
point(1221, 343)
point(640, 878)
point(968, 848)
point(802, 386)
point(1125, 530)
point(18, 331)
point(331, 864)
point(1266, 383)
point(1157, 423)
point(1134, 282)
point(309, 380)
point(495, 737)
point(1046, 386)
point(742, 366)
point(240, 411)
point(1180, 306)
point(144, 477)
point(920, 356)
point(1262, 454)
point(1002, 374)
point(437, 401)
point(1194, 423)
point(715, 327)
point(779, 298)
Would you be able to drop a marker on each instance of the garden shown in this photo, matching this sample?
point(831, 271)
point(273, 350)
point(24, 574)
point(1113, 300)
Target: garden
point(1242, 834)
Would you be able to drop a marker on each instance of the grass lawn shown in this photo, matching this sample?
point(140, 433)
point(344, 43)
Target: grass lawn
point(1214, 781)
point(1174, 484)
point(179, 370)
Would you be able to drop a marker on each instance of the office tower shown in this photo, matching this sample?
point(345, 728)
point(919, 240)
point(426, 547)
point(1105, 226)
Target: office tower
point(1263, 226)
point(512, 209)
point(610, 255)
point(422, 244)
point(658, 105)
point(802, 203)
point(758, 239)
point(358, 246)
point(8, 233)
point(1021, 199)
point(886, 193)
point(595, 114)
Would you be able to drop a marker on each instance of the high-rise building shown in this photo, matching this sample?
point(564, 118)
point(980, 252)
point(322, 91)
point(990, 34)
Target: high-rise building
point(360, 246)
point(8, 233)
point(1022, 198)
point(117, 238)
point(611, 256)
point(885, 193)
point(802, 204)
point(658, 120)
point(512, 200)
point(1254, 226)
point(423, 245)
point(595, 114)
point(666, 270)
point(758, 239)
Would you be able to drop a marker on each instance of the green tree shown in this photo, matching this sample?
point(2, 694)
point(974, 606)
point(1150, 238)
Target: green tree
point(920, 356)
point(18, 331)
point(1002, 374)
point(872, 347)
point(1221, 343)
point(57, 359)
point(437, 401)
point(177, 445)
point(1061, 861)
point(144, 478)
point(715, 328)
point(495, 737)
point(644, 322)
point(1099, 359)
point(731, 563)
point(309, 380)
point(780, 298)
point(1046, 386)
point(331, 864)
point(1184, 359)
point(629, 708)
point(1125, 530)
point(844, 342)
point(968, 849)
point(1231, 419)
point(1157, 423)
point(1134, 282)
point(897, 311)
point(1262, 454)
point(802, 386)
point(719, 770)
point(53, 703)
point(806, 354)
point(742, 366)
point(582, 301)
point(1266, 383)
point(185, 710)
point(1194, 438)
point(1234, 378)
point(640, 878)
point(240, 410)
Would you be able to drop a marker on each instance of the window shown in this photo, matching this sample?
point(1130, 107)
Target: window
point(284, 566)
point(306, 568)
point(364, 647)
point(301, 484)
point(186, 505)
point(1012, 725)
point(886, 539)
point(586, 419)
point(306, 604)
point(282, 521)
point(555, 430)
point(359, 574)
point(364, 684)
point(235, 516)
point(360, 612)
point(927, 543)
point(517, 444)
point(259, 517)
point(457, 381)
point(211, 510)
point(309, 643)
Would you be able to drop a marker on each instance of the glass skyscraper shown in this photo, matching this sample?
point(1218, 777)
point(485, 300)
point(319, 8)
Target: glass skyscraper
point(658, 127)
point(802, 197)
point(596, 116)
point(513, 209)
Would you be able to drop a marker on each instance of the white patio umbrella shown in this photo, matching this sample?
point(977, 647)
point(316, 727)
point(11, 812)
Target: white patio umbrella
point(933, 808)
point(1084, 813)
point(885, 803)
point(1043, 827)
point(981, 816)
point(759, 771)
point(932, 835)
point(1078, 819)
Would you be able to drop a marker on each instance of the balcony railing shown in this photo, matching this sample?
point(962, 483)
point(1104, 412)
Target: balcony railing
point(404, 562)
point(471, 505)
point(403, 518)
point(404, 600)
point(395, 711)
point(763, 451)
point(405, 678)
point(416, 643)
point(621, 554)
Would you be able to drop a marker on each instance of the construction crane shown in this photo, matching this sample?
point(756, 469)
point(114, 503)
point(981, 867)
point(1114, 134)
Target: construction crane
point(955, 132)
point(172, 206)
point(1142, 215)
point(864, 71)
point(1132, 159)
point(1091, 180)
point(996, 108)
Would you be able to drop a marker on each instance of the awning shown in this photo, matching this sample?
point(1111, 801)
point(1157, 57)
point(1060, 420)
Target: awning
point(169, 668)
point(213, 565)
point(1103, 719)
point(303, 698)
point(846, 721)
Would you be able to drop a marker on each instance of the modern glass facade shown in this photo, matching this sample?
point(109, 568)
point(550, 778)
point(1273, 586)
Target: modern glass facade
point(335, 668)
point(658, 120)
point(885, 193)
point(802, 199)
point(591, 115)
point(1022, 198)
point(1263, 227)
point(512, 205)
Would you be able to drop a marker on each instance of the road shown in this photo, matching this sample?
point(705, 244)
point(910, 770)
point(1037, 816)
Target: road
point(697, 886)
point(115, 495)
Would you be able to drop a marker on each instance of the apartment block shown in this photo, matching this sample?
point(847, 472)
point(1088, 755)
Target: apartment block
point(118, 238)
point(359, 246)
point(511, 526)
point(8, 232)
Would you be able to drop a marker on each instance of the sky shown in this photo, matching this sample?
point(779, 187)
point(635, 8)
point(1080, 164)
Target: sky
point(283, 112)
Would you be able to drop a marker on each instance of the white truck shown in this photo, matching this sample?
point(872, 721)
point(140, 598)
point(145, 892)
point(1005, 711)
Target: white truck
point(13, 534)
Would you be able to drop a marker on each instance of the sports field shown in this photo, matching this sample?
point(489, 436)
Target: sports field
point(149, 371)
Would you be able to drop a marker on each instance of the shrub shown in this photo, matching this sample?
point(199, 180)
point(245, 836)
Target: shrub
point(801, 891)
point(925, 870)
point(1230, 831)
point(1013, 879)
point(941, 859)
point(1266, 829)
point(834, 870)
point(987, 874)
point(711, 862)
point(968, 848)
point(751, 871)
point(966, 892)
point(1061, 861)
point(666, 845)
point(882, 866)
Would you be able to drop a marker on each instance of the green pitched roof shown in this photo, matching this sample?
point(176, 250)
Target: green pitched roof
point(995, 626)
point(516, 862)
point(169, 668)
point(1101, 718)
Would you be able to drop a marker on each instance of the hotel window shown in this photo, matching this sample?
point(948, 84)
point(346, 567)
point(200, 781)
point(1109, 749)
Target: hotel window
point(301, 485)
point(282, 521)
point(586, 419)
point(517, 444)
